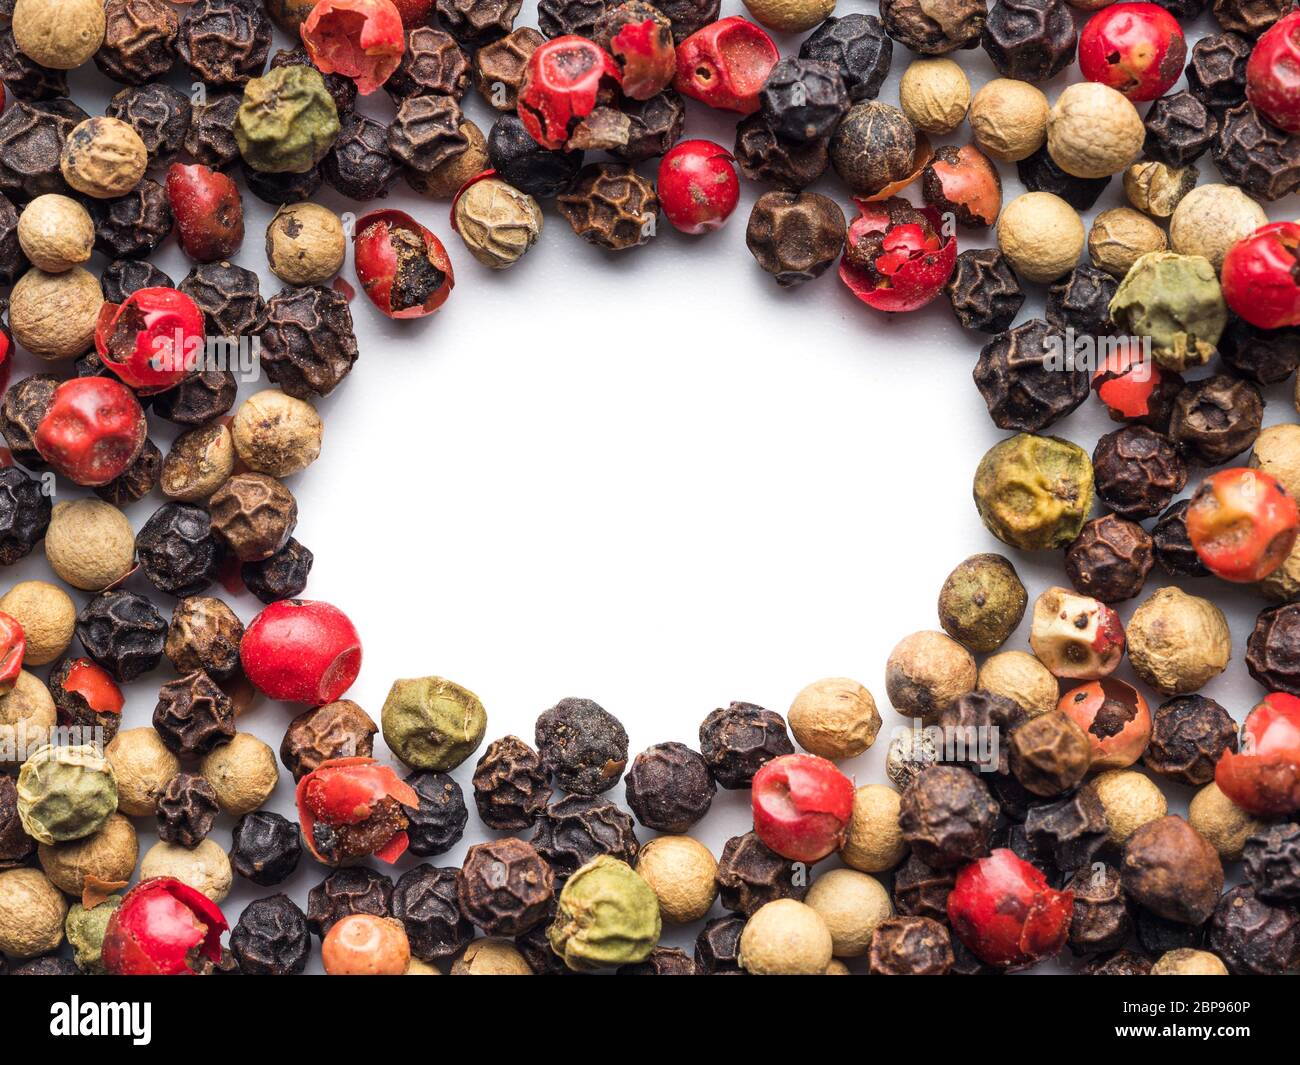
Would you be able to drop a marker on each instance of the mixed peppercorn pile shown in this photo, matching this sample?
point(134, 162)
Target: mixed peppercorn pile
point(1016, 825)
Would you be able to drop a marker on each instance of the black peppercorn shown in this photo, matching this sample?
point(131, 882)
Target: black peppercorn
point(439, 823)
point(1137, 471)
point(194, 715)
point(211, 139)
point(763, 156)
point(535, 946)
point(663, 961)
point(1081, 301)
point(432, 64)
point(265, 847)
point(475, 22)
point(1049, 755)
point(984, 291)
point(751, 876)
point(1216, 419)
point(499, 67)
point(979, 713)
point(24, 514)
point(13, 263)
point(1264, 356)
point(198, 400)
point(1174, 550)
point(282, 576)
point(1030, 40)
point(1039, 173)
point(139, 40)
point(1180, 129)
point(340, 729)
point(689, 16)
point(47, 966)
point(1189, 733)
point(910, 946)
point(1183, 10)
point(717, 947)
point(271, 938)
point(279, 189)
point(31, 142)
point(124, 276)
point(132, 226)
point(803, 100)
point(505, 887)
point(1272, 860)
point(739, 740)
point(922, 891)
point(25, 404)
point(1121, 963)
point(583, 745)
point(425, 901)
point(669, 787)
point(1029, 378)
point(1253, 938)
point(178, 550)
point(1216, 73)
point(229, 297)
point(1101, 920)
point(308, 343)
point(123, 632)
point(858, 45)
point(1249, 17)
point(1068, 832)
point(342, 90)
point(359, 165)
point(1249, 152)
point(16, 846)
point(1273, 649)
point(352, 889)
point(510, 786)
point(426, 132)
point(559, 18)
point(572, 831)
point(947, 816)
point(159, 113)
point(187, 809)
point(1110, 559)
point(522, 162)
point(933, 28)
point(224, 42)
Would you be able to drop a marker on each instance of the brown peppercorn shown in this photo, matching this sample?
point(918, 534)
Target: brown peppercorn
point(193, 715)
point(610, 206)
point(476, 22)
point(510, 786)
point(1189, 734)
point(763, 156)
point(1254, 938)
point(211, 137)
point(199, 462)
point(736, 741)
point(505, 887)
point(910, 946)
point(139, 40)
point(984, 291)
point(355, 889)
point(1216, 74)
point(1272, 862)
point(139, 479)
point(976, 714)
point(1137, 472)
point(576, 829)
point(1101, 920)
point(308, 343)
point(187, 809)
point(669, 787)
point(199, 399)
point(432, 64)
point(1121, 963)
point(425, 132)
point(16, 846)
point(750, 876)
point(873, 147)
point(1216, 419)
point(1026, 379)
point(795, 236)
point(1249, 17)
point(254, 515)
point(948, 816)
point(499, 67)
point(1273, 650)
point(935, 27)
point(921, 890)
point(204, 634)
point(1110, 559)
point(1050, 754)
point(1069, 832)
point(1170, 869)
point(443, 182)
point(339, 729)
point(224, 42)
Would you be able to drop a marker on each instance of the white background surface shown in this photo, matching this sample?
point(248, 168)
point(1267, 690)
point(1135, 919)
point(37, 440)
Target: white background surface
point(655, 480)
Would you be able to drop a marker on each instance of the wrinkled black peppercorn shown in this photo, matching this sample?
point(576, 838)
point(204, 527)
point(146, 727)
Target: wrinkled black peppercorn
point(1264, 356)
point(139, 479)
point(187, 809)
point(1121, 963)
point(1253, 938)
point(224, 42)
point(15, 844)
point(1101, 920)
point(922, 891)
point(229, 297)
point(980, 713)
point(194, 715)
point(271, 938)
point(1215, 419)
point(984, 291)
point(426, 132)
point(1039, 173)
point(132, 226)
point(124, 276)
point(737, 741)
point(663, 961)
point(123, 632)
point(439, 823)
point(1273, 649)
point(505, 887)
point(13, 263)
point(359, 165)
point(24, 514)
point(803, 100)
point(669, 787)
point(139, 40)
point(308, 343)
point(1272, 860)
point(47, 966)
point(1189, 733)
point(31, 142)
point(750, 876)
point(1174, 550)
point(559, 18)
point(1029, 377)
point(688, 16)
point(279, 189)
point(1249, 17)
point(1030, 40)
point(910, 946)
point(717, 947)
point(159, 113)
point(1180, 129)
point(1081, 301)
point(352, 889)
point(947, 816)
point(282, 576)
point(265, 847)
point(572, 831)
point(522, 162)
point(655, 125)
point(211, 139)
point(858, 45)
point(433, 63)
point(1251, 153)
point(1137, 471)
point(1216, 73)
point(474, 22)
point(1110, 559)
point(510, 786)
point(199, 399)
point(177, 549)
point(25, 79)
point(583, 745)
point(763, 156)
point(425, 901)
point(1068, 832)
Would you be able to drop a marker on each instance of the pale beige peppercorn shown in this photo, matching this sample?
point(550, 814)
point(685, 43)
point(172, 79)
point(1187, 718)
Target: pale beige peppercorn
point(56, 233)
point(926, 672)
point(1177, 642)
point(89, 544)
point(103, 158)
point(491, 957)
point(60, 34)
point(497, 222)
point(1221, 821)
point(1188, 961)
point(1093, 131)
point(277, 434)
point(32, 911)
point(53, 315)
point(1130, 800)
point(242, 772)
point(27, 714)
point(1277, 452)
point(934, 94)
point(785, 938)
point(1157, 188)
point(305, 244)
point(1119, 237)
point(1009, 119)
point(789, 16)
point(1283, 584)
point(205, 867)
point(682, 873)
point(102, 860)
point(852, 904)
point(48, 617)
point(874, 842)
point(1041, 235)
point(1211, 219)
point(1023, 679)
point(835, 718)
point(199, 462)
point(143, 767)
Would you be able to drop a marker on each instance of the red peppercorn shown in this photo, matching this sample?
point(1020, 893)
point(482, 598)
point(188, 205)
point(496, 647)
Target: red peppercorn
point(1128, 382)
point(13, 645)
point(96, 685)
point(1264, 776)
point(698, 188)
point(725, 64)
point(1114, 716)
point(153, 340)
point(93, 430)
point(646, 55)
point(897, 257)
point(1242, 524)
point(163, 928)
point(301, 651)
point(1006, 913)
point(1260, 276)
point(565, 80)
point(360, 39)
point(208, 210)
point(402, 266)
point(358, 794)
point(1138, 49)
point(802, 806)
point(1273, 73)
point(6, 349)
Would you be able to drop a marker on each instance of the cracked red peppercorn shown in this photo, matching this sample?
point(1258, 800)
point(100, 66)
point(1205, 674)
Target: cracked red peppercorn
point(208, 210)
point(1242, 524)
point(401, 265)
point(1134, 388)
point(301, 651)
point(1137, 49)
point(1264, 776)
point(163, 928)
point(1260, 276)
point(565, 81)
point(640, 38)
point(13, 644)
point(150, 340)
point(93, 430)
point(802, 806)
point(351, 808)
point(1006, 913)
point(1114, 716)
point(726, 64)
point(698, 188)
point(360, 39)
point(897, 257)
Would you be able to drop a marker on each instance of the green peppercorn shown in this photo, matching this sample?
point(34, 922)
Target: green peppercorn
point(1176, 301)
point(65, 793)
point(607, 916)
point(982, 602)
point(1034, 492)
point(85, 930)
point(431, 723)
point(287, 121)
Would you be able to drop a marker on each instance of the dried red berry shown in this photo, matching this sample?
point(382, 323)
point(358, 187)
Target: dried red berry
point(13, 645)
point(1133, 388)
point(360, 39)
point(1242, 524)
point(163, 928)
point(352, 808)
point(93, 430)
point(802, 806)
point(726, 64)
point(896, 257)
point(1138, 49)
point(640, 38)
point(301, 651)
point(1006, 913)
point(565, 80)
point(208, 210)
point(1261, 276)
point(698, 188)
point(1273, 73)
point(1115, 718)
point(151, 340)
point(402, 266)
point(1264, 776)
